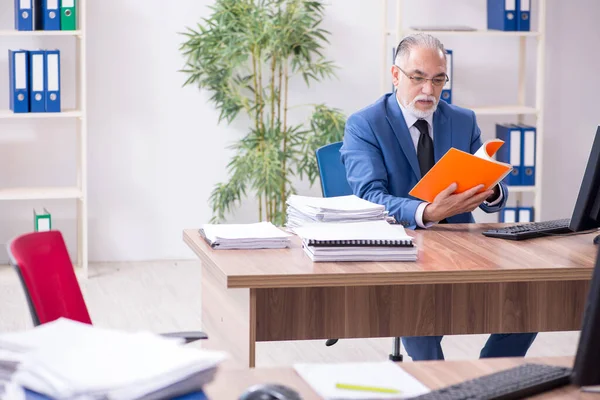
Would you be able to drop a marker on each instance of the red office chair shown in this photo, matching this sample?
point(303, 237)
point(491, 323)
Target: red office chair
point(46, 273)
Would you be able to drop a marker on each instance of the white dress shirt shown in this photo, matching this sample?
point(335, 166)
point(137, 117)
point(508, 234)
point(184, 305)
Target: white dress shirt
point(414, 134)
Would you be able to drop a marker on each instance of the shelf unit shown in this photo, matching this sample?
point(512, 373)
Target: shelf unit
point(78, 192)
point(520, 109)
point(8, 32)
point(8, 114)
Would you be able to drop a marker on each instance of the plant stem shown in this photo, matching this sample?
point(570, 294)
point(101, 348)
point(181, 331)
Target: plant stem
point(256, 92)
point(272, 99)
point(259, 90)
point(280, 68)
point(257, 121)
point(284, 129)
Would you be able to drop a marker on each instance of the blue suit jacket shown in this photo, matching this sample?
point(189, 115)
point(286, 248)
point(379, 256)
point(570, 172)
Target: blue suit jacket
point(381, 161)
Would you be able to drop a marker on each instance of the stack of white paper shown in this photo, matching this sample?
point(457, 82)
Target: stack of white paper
point(70, 360)
point(303, 209)
point(260, 235)
point(366, 380)
point(357, 241)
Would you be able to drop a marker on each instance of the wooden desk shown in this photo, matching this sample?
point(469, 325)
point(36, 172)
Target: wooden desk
point(462, 283)
point(230, 384)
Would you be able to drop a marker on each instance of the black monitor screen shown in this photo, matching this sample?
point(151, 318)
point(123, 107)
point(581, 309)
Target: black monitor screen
point(586, 214)
point(586, 369)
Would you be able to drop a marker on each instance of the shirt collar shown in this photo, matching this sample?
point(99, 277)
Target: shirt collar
point(409, 117)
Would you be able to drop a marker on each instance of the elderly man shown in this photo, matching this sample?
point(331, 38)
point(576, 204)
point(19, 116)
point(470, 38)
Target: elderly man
point(390, 144)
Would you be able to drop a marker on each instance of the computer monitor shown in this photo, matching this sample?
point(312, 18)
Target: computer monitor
point(586, 368)
point(586, 214)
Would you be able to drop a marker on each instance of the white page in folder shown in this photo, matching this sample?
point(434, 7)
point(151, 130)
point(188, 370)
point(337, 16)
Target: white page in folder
point(364, 230)
point(349, 203)
point(258, 230)
point(385, 374)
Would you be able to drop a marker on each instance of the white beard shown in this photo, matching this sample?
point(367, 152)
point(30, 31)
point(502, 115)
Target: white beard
point(422, 113)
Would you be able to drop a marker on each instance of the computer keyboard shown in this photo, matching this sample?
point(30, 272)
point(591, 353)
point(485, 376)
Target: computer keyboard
point(530, 230)
point(514, 383)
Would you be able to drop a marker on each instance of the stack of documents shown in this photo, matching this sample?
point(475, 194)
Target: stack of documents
point(366, 380)
point(65, 359)
point(303, 209)
point(357, 241)
point(260, 235)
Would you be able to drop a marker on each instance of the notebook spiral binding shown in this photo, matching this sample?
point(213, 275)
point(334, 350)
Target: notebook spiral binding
point(366, 243)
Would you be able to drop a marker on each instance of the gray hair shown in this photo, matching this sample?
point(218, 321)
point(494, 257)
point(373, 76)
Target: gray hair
point(417, 40)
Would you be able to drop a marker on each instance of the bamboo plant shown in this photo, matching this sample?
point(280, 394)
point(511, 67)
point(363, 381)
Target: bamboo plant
point(245, 54)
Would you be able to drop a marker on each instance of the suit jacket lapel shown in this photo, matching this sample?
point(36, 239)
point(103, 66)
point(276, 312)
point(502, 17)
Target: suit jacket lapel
point(398, 124)
point(442, 133)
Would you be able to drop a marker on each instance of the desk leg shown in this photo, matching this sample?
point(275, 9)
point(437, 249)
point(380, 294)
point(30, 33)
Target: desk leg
point(229, 319)
point(252, 330)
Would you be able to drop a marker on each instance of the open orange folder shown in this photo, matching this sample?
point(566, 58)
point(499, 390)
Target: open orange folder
point(467, 170)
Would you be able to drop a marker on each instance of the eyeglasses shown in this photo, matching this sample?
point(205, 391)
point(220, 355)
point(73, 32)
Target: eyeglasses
point(419, 80)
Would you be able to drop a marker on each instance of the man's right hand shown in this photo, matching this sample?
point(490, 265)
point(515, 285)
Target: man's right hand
point(447, 204)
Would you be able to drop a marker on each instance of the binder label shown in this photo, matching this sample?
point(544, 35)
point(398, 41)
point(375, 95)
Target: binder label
point(20, 71)
point(37, 69)
point(25, 4)
point(525, 215)
point(52, 72)
point(448, 85)
point(68, 3)
point(515, 148)
point(43, 224)
point(528, 150)
point(510, 5)
point(524, 5)
point(510, 216)
point(52, 5)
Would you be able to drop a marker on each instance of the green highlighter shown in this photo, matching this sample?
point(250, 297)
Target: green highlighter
point(68, 15)
point(364, 388)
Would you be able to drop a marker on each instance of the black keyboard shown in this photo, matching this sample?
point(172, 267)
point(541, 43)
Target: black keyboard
point(514, 383)
point(530, 230)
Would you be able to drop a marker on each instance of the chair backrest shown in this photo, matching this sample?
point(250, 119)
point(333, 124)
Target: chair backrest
point(44, 267)
point(332, 171)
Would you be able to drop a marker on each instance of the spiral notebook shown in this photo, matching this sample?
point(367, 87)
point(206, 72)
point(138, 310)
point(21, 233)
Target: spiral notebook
point(364, 233)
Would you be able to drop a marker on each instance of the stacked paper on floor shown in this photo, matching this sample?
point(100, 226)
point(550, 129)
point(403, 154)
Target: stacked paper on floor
point(69, 360)
point(357, 241)
point(260, 235)
point(303, 209)
point(360, 380)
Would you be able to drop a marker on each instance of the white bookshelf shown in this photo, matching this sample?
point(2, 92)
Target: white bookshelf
point(520, 110)
point(470, 33)
point(40, 193)
point(78, 191)
point(8, 114)
point(8, 32)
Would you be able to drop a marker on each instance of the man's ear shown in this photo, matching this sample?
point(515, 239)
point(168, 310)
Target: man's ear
point(395, 76)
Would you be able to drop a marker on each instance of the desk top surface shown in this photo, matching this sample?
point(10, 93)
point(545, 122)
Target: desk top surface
point(456, 253)
point(230, 384)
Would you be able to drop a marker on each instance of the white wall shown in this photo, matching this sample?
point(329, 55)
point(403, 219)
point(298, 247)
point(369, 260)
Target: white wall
point(156, 149)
